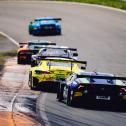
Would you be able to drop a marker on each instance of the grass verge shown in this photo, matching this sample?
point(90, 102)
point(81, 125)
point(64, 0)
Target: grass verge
point(111, 3)
point(4, 55)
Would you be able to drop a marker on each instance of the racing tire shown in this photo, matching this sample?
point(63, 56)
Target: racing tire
point(33, 82)
point(30, 80)
point(69, 101)
point(60, 92)
point(18, 60)
point(30, 31)
point(59, 33)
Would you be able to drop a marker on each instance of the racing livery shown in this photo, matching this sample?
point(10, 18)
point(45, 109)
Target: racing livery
point(93, 87)
point(27, 49)
point(45, 26)
point(50, 71)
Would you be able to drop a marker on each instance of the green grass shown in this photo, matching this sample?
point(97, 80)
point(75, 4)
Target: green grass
point(4, 55)
point(112, 3)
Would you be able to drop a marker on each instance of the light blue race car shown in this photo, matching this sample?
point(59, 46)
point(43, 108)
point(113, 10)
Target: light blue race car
point(45, 26)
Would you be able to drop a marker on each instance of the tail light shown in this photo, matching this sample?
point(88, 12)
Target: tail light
point(80, 87)
point(41, 72)
point(123, 90)
point(25, 52)
point(45, 72)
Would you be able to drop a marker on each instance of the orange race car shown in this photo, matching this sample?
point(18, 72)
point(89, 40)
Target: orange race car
point(27, 49)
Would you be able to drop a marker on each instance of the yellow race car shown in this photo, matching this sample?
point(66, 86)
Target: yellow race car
point(51, 71)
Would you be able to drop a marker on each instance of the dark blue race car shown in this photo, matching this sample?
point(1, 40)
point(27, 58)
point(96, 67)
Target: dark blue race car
point(45, 26)
point(90, 87)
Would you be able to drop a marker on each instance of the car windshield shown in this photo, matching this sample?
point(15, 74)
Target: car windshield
point(52, 63)
point(54, 52)
point(101, 81)
point(89, 80)
point(96, 81)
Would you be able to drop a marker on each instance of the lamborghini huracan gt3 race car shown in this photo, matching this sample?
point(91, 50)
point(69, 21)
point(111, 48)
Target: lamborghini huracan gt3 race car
point(50, 71)
point(45, 26)
point(54, 51)
point(89, 87)
point(27, 49)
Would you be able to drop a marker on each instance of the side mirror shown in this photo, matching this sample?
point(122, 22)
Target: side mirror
point(83, 68)
point(75, 54)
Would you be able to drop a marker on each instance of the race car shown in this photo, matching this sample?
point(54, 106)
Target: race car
point(45, 26)
point(54, 51)
point(50, 71)
point(27, 49)
point(89, 87)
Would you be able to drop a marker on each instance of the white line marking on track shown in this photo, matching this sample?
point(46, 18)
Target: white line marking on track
point(10, 108)
point(43, 112)
point(10, 38)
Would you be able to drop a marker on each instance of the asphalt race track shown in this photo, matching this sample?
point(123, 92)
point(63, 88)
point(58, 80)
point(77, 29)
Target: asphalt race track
point(99, 34)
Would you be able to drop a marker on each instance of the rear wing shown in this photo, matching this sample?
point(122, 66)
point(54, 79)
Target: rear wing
point(47, 19)
point(102, 77)
point(48, 47)
point(21, 44)
point(66, 61)
point(66, 57)
point(42, 43)
point(59, 19)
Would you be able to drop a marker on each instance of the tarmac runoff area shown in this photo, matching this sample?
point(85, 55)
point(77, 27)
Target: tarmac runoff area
point(17, 101)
